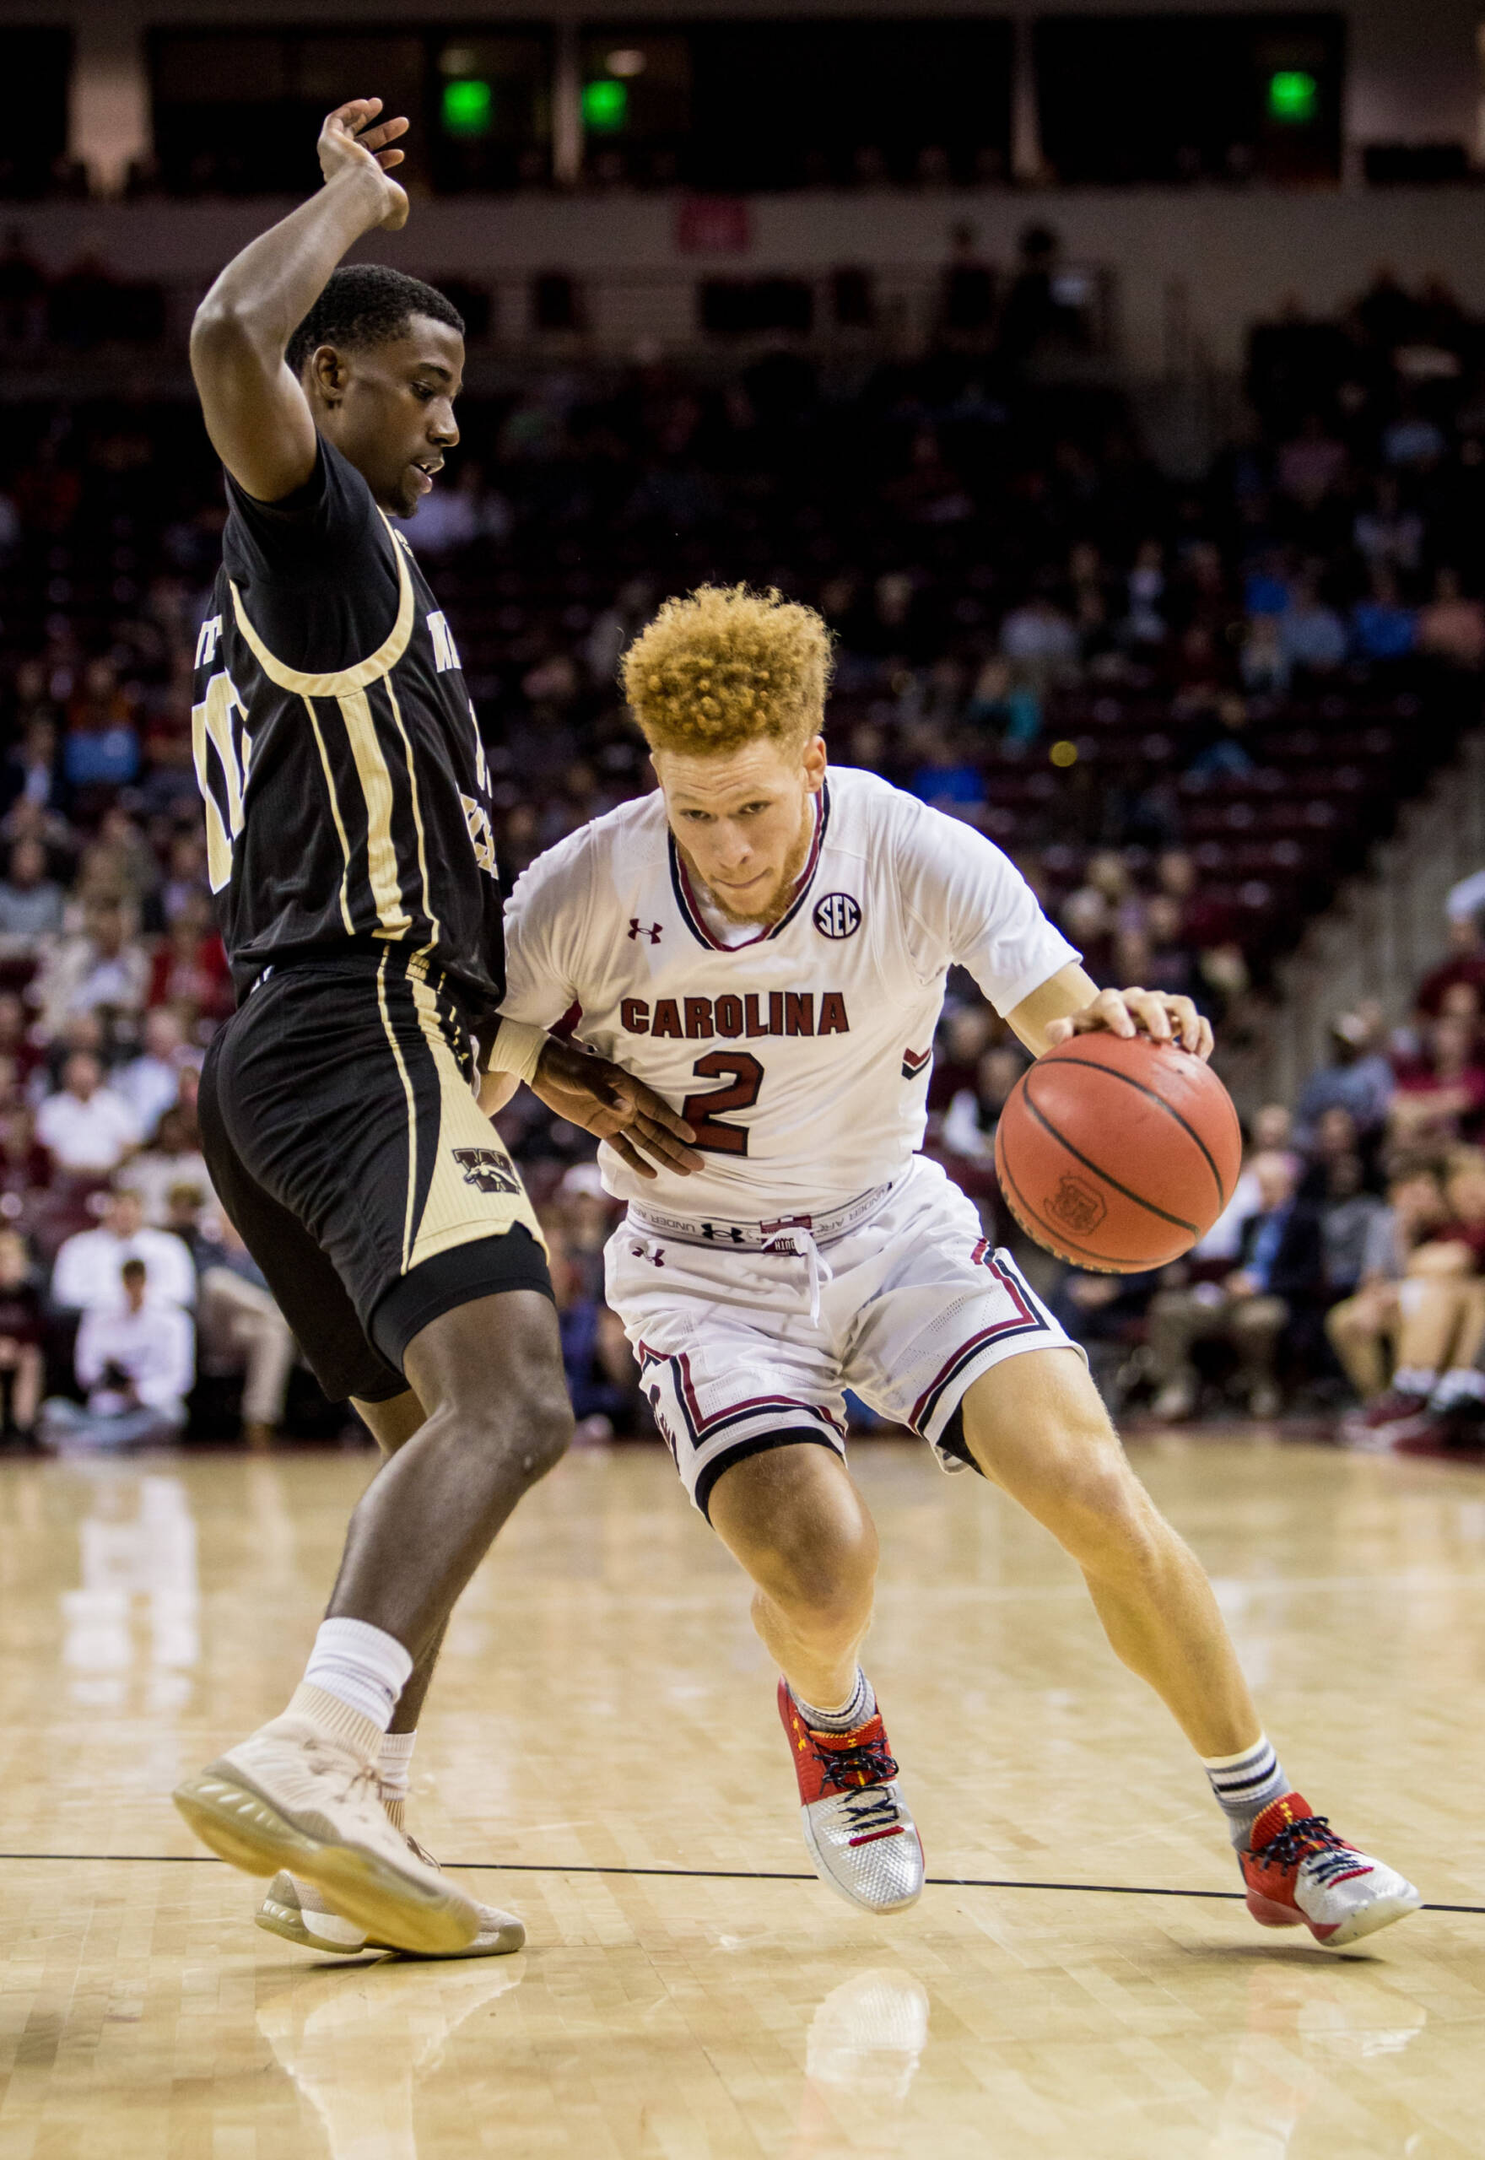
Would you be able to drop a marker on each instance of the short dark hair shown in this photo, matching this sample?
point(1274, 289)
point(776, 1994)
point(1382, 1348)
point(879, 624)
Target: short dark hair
point(367, 304)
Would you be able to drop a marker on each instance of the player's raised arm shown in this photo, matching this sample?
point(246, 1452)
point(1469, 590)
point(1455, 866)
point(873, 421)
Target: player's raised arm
point(256, 413)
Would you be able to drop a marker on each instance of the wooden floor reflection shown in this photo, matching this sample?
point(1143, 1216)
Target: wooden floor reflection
point(602, 1745)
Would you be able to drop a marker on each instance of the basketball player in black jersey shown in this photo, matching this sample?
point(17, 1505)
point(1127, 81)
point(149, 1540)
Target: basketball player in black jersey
point(349, 840)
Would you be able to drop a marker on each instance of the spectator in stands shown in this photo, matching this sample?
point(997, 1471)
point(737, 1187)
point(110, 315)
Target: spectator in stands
point(32, 773)
point(1382, 628)
point(25, 1166)
point(20, 1339)
point(1359, 1078)
point(1272, 1133)
point(1440, 1096)
point(1351, 1220)
point(1451, 627)
point(135, 1356)
point(1438, 1326)
point(240, 1329)
point(1388, 533)
point(172, 1161)
point(1363, 1328)
point(1310, 465)
point(102, 969)
point(1466, 960)
point(1278, 1281)
point(1311, 634)
point(190, 968)
point(968, 1130)
point(150, 1083)
point(602, 1378)
point(1107, 1315)
point(86, 1272)
point(30, 902)
point(86, 1128)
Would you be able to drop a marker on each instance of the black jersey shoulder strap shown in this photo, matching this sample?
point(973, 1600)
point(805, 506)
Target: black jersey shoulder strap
point(339, 682)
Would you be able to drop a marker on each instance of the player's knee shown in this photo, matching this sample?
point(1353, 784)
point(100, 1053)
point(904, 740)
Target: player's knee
point(541, 1431)
point(830, 1594)
point(826, 1582)
point(1107, 1520)
point(525, 1432)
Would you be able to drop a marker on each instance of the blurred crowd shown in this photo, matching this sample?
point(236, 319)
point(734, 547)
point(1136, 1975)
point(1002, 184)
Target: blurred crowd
point(1346, 1278)
point(1185, 708)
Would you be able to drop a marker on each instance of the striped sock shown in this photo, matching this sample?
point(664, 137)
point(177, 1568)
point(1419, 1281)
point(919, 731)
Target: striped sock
point(1245, 1784)
point(861, 1705)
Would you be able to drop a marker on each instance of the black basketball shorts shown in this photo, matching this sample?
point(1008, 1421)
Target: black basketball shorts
point(343, 1138)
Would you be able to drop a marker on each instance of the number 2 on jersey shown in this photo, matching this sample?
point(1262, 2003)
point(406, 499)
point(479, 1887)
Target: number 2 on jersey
point(712, 1132)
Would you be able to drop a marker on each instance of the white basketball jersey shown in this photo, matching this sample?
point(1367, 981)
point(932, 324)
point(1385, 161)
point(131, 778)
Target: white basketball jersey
point(801, 1054)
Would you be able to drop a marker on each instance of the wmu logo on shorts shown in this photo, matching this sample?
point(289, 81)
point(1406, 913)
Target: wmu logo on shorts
point(487, 1169)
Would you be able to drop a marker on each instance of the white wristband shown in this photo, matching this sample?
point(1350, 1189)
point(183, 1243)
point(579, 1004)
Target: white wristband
point(517, 1049)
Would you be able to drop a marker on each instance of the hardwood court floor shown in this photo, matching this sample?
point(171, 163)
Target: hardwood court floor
point(605, 1728)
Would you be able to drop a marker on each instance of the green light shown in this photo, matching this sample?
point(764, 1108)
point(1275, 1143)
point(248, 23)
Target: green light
point(1293, 96)
point(467, 108)
point(605, 106)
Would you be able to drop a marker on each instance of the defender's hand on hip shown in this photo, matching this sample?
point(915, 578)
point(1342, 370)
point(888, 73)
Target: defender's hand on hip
point(611, 1104)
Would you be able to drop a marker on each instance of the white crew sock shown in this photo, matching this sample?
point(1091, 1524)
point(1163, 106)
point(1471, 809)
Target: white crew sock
point(859, 1705)
point(362, 1665)
point(394, 1772)
point(1245, 1784)
point(1414, 1380)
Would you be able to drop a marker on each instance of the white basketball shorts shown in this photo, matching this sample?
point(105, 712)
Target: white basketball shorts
point(914, 1306)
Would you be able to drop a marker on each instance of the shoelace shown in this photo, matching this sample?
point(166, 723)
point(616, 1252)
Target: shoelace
point(349, 1773)
point(1309, 1838)
point(869, 1807)
point(856, 1768)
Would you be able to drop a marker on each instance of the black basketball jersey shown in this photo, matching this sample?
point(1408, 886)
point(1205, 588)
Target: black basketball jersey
point(347, 794)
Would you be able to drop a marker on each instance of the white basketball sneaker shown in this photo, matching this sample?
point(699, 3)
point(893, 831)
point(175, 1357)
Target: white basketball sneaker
point(1300, 1874)
point(299, 1796)
point(301, 1914)
point(862, 1839)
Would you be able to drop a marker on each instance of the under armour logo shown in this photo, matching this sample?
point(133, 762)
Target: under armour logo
point(711, 1230)
point(637, 930)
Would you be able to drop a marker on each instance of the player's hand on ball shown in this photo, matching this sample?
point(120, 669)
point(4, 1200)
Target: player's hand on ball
point(351, 140)
point(1132, 1012)
point(611, 1104)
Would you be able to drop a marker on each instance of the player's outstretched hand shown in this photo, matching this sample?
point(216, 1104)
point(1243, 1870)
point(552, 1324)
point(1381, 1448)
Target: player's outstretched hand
point(1127, 1012)
point(610, 1103)
point(351, 138)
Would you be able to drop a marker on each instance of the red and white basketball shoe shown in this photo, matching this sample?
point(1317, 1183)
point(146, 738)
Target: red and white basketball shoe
point(862, 1839)
point(1300, 1874)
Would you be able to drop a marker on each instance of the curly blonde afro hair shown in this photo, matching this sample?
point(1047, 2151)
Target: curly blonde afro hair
point(726, 665)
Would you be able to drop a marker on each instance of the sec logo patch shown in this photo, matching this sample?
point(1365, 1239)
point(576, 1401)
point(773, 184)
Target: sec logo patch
point(837, 915)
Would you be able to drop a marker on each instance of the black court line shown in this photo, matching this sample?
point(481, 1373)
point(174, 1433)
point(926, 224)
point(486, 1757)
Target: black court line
point(667, 1874)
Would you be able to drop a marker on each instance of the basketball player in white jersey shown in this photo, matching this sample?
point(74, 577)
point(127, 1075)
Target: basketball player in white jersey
point(766, 945)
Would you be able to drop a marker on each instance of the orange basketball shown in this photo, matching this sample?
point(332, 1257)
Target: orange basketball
point(1118, 1154)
